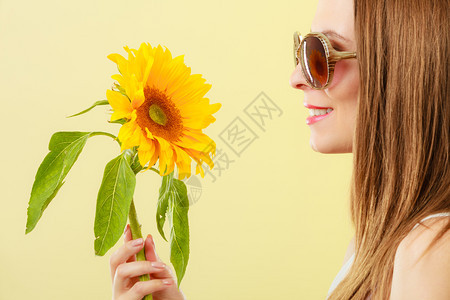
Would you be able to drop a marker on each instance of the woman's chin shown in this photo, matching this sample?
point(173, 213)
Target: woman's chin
point(329, 147)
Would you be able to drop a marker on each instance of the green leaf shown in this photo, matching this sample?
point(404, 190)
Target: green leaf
point(163, 203)
point(65, 147)
point(101, 102)
point(113, 202)
point(119, 121)
point(177, 215)
point(173, 202)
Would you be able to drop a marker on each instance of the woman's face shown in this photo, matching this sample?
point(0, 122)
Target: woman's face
point(334, 133)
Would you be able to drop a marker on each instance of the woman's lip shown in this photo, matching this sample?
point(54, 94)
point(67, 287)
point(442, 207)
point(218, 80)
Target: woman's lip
point(313, 119)
point(315, 107)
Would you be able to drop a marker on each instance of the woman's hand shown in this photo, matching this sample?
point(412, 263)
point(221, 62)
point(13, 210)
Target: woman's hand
point(125, 271)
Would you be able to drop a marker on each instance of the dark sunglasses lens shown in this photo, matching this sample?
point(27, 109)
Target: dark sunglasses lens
point(314, 62)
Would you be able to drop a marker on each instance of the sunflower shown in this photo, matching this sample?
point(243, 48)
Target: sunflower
point(164, 110)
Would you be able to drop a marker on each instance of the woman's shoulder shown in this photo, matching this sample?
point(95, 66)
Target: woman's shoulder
point(421, 236)
point(419, 274)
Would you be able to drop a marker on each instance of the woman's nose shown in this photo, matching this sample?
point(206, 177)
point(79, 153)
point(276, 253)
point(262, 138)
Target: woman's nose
point(297, 81)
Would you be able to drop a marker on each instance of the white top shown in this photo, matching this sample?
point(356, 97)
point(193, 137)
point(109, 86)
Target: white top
point(346, 267)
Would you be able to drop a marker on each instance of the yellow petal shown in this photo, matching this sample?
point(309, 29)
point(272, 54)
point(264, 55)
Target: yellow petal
point(119, 115)
point(192, 91)
point(144, 156)
point(120, 61)
point(149, 134)
point(138, 99)
point(134, 139)
point(129, 135)
point(155, 155)
point(183, 162)
point(172, 73)
point(120, 104)
point(199, 169)
point(147, 145)
point(156, 67)
point(196, 140)
point(119, 78)
point(165, 155)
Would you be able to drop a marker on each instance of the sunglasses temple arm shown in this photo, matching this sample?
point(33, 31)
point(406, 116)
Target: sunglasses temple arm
point(345, 55)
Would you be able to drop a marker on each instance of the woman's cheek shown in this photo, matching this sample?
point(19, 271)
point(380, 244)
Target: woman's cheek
point(340, 69)
point(345, 82)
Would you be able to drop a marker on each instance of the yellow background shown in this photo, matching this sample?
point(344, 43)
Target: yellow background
point(274, 225)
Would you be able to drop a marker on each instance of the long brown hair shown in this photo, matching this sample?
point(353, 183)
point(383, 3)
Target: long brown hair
point(401, 145)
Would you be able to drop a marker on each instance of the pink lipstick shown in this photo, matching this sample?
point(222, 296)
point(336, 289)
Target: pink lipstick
point(317, 113)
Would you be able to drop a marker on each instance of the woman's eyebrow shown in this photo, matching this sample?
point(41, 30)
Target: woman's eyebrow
point(333, 33)
point(336, 35)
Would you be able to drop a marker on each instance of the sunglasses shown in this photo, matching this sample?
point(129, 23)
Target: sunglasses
point(318, 58)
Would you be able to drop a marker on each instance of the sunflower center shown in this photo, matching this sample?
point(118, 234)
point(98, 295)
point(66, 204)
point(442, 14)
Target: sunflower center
point(157, 114)
point(160, 115)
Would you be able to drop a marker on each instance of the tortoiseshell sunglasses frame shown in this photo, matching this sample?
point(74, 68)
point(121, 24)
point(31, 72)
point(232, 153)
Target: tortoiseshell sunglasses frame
point(332, 55)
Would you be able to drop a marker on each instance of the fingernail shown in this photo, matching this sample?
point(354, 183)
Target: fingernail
point(125, 230)
point(137, 242)
point(158, 264)
point(167, 282)
point(149, 236)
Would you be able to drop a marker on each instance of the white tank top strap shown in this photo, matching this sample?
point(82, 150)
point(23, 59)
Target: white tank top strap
point(444, 214)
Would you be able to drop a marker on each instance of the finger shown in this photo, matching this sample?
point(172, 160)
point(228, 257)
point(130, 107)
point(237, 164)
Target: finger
point(127, 234)
point(143, 288)
point(124, 253)
point(150, 251)
point(151, 255)
point(135, 269)
point(126, 238)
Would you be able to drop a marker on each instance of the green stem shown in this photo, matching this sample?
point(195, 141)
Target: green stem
point(136, 233)
point(134, 223)
point(94, 133)
point(154, 170)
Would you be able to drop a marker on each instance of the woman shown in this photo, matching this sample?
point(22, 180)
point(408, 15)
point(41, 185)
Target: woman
point(387, 103)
